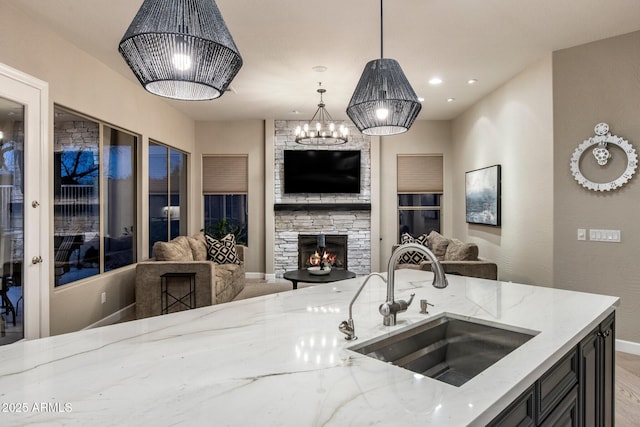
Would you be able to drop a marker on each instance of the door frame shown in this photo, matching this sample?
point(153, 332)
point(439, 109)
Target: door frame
point(33, 93)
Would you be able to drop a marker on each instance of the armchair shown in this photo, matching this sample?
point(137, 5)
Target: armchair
point(214, 283)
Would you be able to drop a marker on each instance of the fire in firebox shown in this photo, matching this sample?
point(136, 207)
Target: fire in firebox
point(333, 250)
point(327, 259)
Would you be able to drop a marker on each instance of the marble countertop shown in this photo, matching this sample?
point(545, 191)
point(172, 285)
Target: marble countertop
point(279, 360)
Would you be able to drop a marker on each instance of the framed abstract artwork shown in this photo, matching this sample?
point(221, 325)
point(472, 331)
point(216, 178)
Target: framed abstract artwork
point(482, 196)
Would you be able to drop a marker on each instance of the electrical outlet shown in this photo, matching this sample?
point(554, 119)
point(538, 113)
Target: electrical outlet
point(103, 297)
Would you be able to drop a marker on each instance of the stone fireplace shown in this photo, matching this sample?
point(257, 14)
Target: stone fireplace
point(333, 214)
point(354, 225)
point(335, 250)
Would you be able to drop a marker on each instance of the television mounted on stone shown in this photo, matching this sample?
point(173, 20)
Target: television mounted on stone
point(322, 171)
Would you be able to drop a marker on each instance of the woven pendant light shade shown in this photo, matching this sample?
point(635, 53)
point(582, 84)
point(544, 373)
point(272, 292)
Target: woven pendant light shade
point(181, 49)
point(384, 103)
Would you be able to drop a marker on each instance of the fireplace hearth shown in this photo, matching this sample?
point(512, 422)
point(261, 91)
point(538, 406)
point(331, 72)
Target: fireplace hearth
point(335, 250)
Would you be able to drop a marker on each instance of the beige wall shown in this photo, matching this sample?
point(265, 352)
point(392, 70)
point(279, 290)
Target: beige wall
point(511, 127)
point(236, 137)
point(424, 137)
point(78, 81)
point(593, 83)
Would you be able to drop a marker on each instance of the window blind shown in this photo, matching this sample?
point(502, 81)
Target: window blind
point(225, 174)
point(420, 174)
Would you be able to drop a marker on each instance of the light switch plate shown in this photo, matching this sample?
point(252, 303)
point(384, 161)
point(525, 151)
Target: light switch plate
point(610, 236)
point(582, 234)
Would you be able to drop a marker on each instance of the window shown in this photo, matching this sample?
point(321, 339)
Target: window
point(225, 188)
point(119, 197)
point(167, 193)
point(94, 197)
point(420, 191)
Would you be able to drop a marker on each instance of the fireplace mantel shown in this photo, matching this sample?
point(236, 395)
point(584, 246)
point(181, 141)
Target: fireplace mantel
point(322, 207)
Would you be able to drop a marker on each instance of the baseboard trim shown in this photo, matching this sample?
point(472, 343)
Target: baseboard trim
point(628, 347)
point(258, 276)
point(127, 312)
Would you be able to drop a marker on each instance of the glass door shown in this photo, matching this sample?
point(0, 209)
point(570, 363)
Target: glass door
point(12, 134)
point(24, 206)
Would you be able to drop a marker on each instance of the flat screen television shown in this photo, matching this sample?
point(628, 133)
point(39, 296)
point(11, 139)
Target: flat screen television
point(321, 171)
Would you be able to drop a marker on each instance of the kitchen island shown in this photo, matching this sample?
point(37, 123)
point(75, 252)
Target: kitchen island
point(279, 360)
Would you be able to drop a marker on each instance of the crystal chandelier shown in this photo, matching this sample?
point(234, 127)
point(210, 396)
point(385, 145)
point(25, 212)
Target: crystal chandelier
point(321, 129)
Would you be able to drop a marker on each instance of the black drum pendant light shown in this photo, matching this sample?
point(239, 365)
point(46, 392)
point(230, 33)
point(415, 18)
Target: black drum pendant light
point(384, 103)
point(181, 49)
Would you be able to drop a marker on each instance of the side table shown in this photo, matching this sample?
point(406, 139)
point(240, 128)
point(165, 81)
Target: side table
point(169, 299)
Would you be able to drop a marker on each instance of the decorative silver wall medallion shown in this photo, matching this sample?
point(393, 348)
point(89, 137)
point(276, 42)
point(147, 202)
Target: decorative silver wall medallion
point(602, 156)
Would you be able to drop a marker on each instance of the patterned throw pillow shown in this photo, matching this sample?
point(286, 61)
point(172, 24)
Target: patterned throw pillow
point(222, 251)
point(413, 257)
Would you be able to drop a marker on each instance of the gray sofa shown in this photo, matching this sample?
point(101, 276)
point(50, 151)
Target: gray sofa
point(214, 283)
point(455, 257)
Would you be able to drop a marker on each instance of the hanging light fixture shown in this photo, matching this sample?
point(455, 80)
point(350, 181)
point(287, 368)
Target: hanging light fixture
point(321, 130)
point(384, 102)
point(181, 49)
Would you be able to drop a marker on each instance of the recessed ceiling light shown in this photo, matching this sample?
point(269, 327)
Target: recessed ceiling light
point(420, 99)
point(472, 81)
point(295, 112)
point(435, 81)
point(319, 68)
point(450, 99)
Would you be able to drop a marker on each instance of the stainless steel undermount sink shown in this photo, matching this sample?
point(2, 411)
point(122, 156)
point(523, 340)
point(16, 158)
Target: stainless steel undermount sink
point(448, 349)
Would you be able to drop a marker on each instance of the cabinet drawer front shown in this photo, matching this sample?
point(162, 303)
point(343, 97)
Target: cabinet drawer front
point(566, 413)
point(555, 384)
point(519, 413)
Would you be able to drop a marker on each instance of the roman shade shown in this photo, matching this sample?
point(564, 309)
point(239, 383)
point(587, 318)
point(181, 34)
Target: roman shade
point(420, 174)
point(226, 174)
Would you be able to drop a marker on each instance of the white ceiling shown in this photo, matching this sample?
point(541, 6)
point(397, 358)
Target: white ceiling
point(281, 40)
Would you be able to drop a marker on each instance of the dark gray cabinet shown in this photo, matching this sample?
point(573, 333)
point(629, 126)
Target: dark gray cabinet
point(552, 400)
point(555, 384)
point(566, 413)
point(576, 391)
point(597, 364)
point(519, 413)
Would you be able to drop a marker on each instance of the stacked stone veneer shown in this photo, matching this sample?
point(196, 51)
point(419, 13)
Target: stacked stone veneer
point(356, 225)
